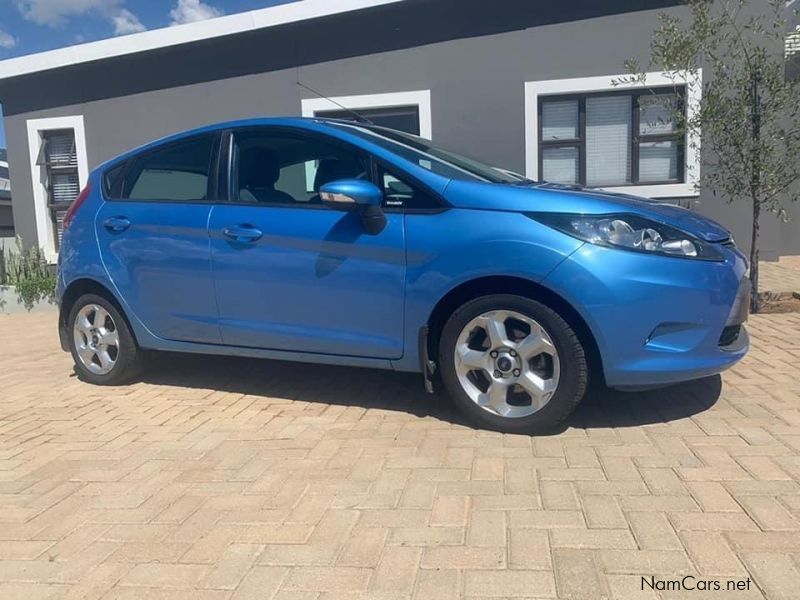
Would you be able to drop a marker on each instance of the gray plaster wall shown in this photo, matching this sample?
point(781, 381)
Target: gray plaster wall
point(477, 87)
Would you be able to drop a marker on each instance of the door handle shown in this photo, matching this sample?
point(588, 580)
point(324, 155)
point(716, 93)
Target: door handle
point(116, 224)
point(243, 233)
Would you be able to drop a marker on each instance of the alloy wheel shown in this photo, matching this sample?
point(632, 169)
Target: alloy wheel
point(96, 339)
point(507, 363)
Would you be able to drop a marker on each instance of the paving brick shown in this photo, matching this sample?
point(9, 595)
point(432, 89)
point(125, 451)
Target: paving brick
point(165, 575)
point(397, 570)
point(603, 512)
point(529, 549)
point(261, 582)
point(509, 584)
point(713, 497)
point(711, 554)
point(638, 562)
point(547, 519)
point(440, 584)
point(559, 495)
point(577, 575)
point(653, 531)
point(233, 565)
point(328, 579)
point(774, 573)
point(600, 539)
point(769, 513)
point(486, 528)
point(464, 557)
point(363, 549)
point(450, 510)
point(427, 536)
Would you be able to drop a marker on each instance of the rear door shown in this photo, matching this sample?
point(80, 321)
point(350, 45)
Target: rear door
point(293, 274)
point(153, 237)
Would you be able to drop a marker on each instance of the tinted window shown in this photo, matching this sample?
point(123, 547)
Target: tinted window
point(277, 168)
point(111, 180)
point(398, 192)
point(425, 154)
point(179, 172)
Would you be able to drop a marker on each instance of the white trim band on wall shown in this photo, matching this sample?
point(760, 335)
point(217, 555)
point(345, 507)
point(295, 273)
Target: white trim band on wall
point(44, 223)
point(590, 85)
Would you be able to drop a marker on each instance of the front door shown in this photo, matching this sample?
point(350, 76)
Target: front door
point(153, 239)
point(292, 274)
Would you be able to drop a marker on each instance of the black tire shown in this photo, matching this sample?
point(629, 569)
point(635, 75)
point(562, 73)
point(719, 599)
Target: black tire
point(128, 357)
point(574, 372)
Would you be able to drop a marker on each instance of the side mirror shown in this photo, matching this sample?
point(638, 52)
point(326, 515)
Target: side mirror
point(360, 195)
point(347, 194)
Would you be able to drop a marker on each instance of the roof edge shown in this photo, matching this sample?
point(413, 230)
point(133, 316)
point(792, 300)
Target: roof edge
point(165, 37)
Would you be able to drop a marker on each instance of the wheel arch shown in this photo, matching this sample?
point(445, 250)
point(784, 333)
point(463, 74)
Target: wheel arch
point(500, 284)
point(75, 290)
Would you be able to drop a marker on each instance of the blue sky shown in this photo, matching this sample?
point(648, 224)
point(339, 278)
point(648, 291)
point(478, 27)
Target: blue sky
point(29, 26)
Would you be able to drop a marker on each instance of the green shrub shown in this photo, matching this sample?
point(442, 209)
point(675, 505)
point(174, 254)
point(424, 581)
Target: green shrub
point(28, 271)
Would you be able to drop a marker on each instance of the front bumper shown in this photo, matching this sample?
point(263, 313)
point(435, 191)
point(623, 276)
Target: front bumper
point(658, 320)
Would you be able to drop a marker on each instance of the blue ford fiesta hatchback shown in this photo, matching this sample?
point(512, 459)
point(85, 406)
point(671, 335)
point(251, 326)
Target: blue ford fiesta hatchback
point(344, 243)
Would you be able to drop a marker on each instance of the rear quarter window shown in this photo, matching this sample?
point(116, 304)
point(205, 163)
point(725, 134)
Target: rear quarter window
point(112, 181)
point(177, 172)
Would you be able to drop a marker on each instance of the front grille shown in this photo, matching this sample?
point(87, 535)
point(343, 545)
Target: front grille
point(729, 335)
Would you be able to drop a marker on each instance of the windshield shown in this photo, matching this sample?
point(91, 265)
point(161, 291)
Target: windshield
point(424, 154)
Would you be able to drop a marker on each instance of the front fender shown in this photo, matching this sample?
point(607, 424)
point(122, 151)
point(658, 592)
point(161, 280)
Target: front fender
point(454, 247)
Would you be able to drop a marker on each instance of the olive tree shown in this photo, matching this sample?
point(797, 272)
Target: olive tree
point(749, 110)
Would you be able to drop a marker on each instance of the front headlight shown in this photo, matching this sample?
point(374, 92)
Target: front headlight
point(631, 232)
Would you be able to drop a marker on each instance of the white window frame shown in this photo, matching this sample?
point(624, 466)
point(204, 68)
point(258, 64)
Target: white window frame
point(36, 130)
point(420, 98)
point(590, 85)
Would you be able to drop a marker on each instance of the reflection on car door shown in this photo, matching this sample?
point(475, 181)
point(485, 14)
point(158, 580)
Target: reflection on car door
point(292, 274)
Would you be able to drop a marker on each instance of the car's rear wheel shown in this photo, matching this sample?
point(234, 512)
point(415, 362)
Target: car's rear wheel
point(512, 364)
point(101, 343)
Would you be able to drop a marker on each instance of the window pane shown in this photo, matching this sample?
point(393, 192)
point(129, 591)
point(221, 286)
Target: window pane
point(658, 161)
point(608, 140)
point(401, 118)
point(64, 187)
point(656, 114)
point(271, 168)
point(60, 148)
point(560, 165)
point(177, 173)
point(397, 192)
point(560, 120)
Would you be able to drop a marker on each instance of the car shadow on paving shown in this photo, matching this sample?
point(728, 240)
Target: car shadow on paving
point(375, 389)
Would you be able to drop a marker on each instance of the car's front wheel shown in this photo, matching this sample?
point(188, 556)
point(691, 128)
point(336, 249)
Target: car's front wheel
point(512, 364)
point(101, 343)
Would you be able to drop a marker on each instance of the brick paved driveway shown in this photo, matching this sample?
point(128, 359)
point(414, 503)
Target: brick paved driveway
point(219, 478)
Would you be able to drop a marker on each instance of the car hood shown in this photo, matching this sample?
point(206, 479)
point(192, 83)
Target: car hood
point(553, 198)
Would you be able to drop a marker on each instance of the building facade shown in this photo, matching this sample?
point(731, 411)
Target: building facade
point(527, 86)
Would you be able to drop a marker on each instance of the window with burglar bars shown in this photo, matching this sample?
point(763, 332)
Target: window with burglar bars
point(612, 139)
point(59, 161)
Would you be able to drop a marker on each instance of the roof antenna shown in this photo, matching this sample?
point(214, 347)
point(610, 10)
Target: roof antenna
point(359, 118)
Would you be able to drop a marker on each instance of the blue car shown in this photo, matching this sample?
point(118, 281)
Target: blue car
point(337, 242)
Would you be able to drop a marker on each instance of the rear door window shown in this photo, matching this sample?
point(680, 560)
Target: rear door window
point(179, 172)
